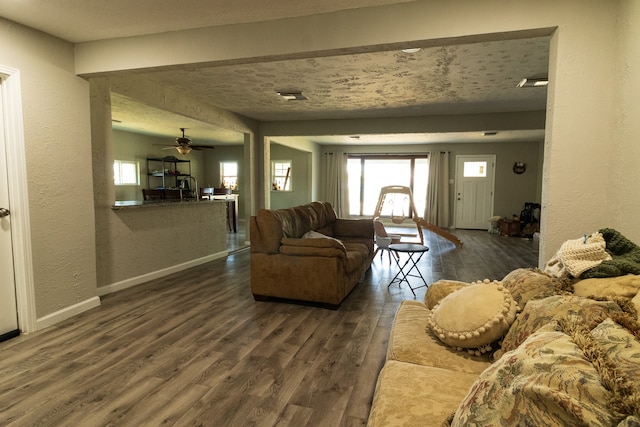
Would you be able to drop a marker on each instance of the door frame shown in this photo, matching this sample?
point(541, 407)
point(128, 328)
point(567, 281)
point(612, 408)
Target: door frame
point(493, 183)
point(18, 195)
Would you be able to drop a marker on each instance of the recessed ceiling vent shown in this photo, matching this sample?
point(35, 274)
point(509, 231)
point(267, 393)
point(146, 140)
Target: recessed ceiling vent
point(534, 82)
point(292, 95)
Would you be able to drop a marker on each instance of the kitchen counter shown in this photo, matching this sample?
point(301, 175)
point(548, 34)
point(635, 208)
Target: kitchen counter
point(231, 201)
point(128, 204)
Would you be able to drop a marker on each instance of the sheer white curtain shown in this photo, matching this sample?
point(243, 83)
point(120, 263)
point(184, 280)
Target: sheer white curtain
point(336, 186)
point(437, 207)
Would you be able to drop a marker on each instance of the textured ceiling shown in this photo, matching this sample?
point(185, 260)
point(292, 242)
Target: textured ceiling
point(471, 78)
point(459, 79)
point(453, 79)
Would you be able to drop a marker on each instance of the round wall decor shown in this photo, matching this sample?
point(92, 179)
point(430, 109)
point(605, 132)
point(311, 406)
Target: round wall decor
point(519, 167)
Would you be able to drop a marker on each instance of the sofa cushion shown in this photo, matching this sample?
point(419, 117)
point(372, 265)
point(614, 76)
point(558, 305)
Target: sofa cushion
point(474, 316)
point(630, 421)
point(548, 381)
point(440, 289)
point(414, 395)
point(408, 342)
point(357, 254)
point(531, 283)
point(636, 302)
point(621, 345)
point(325, 217)
point(538, 313)
point(347, 228)
point(274, 224)
point(623, 286)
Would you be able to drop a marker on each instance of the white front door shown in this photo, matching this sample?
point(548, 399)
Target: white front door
point(8, 307)
point(474, 191)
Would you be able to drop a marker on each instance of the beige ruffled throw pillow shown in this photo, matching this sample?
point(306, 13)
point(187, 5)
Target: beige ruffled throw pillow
point(577, 256)
point(474, 316)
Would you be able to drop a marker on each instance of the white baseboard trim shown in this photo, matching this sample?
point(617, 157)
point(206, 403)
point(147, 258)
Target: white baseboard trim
point(66, 313)
point(133, 281)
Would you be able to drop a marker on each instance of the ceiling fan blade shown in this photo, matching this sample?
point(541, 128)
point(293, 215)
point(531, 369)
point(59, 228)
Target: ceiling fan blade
point(201, 147)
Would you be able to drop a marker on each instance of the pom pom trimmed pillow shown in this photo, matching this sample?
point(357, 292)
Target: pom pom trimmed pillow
point(474, 316)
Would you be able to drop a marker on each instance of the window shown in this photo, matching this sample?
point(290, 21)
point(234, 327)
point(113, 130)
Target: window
point(281, 175)
point(475, 169)
point(368, 174)
point(229, 175)
point(126, 172)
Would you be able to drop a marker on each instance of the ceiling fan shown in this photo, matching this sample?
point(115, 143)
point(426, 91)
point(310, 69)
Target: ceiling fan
point(184, 146)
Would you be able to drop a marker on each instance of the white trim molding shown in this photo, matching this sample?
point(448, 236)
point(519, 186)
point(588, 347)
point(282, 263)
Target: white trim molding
point(19, 197)
point(67, 312)
point(134, 281)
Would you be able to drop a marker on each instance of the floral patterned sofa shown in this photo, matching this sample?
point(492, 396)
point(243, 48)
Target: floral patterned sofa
point(554, 352)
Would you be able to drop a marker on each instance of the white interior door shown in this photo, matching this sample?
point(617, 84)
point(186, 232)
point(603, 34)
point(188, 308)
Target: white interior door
point(8, 307)
point(474, 191)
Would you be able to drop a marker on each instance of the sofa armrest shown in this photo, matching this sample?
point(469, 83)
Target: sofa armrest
point(345, 227)
point(311, 251)
point(319, 242)
point(312, 247)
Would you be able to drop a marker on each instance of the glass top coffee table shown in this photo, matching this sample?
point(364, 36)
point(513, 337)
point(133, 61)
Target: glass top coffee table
point(415, 252)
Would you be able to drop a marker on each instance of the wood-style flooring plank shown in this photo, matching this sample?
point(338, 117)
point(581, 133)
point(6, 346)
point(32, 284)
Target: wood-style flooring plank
point(195, 349)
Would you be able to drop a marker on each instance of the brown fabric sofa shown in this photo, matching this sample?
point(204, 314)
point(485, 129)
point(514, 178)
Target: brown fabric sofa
point(306, 253)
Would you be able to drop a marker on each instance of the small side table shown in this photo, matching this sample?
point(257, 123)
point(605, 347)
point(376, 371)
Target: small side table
point(415, 252)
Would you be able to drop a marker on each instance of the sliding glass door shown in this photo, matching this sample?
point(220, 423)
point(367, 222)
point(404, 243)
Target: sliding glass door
point(368, 174)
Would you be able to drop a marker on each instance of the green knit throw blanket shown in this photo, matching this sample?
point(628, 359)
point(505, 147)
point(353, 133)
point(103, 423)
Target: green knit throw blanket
point(625, 254)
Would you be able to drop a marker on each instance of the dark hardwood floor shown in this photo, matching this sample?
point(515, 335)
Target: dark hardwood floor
point(195, 349)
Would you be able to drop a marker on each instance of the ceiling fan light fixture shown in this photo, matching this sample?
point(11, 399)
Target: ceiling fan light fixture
point(183, 149)
point(533, 82)
point(292, 96)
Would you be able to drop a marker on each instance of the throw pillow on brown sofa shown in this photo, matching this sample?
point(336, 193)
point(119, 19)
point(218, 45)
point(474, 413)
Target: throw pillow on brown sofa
point(474, 316)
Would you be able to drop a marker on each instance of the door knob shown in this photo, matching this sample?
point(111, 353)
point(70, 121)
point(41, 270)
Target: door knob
point(4, 212)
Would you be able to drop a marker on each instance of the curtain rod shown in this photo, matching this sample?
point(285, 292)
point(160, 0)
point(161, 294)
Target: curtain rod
point(387, 154)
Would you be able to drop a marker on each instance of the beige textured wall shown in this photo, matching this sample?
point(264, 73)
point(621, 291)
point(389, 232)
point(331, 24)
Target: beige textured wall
point(58, 149)
point(580, 125)
point(624, 174)
point(300, 177)
point(145, 240)
point(132, 243)
point(511, 190)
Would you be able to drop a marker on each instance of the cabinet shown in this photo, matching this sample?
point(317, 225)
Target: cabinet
point(168, 172)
